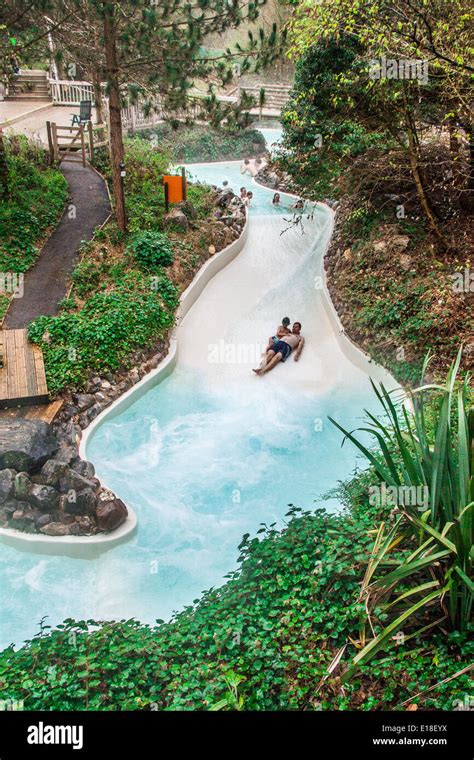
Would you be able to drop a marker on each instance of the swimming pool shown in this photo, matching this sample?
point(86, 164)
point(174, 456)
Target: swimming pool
point(212, 451)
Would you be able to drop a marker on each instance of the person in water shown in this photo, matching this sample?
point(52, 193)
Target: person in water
point(276, 199)
point(243, 192)
point(248, 199)
point(281, 331)
point(299, 203)
point(281, 350)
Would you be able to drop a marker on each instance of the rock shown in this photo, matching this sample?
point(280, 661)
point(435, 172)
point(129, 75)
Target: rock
point(66, 519)
point(11, 506)
point(176, 218)
point(83, 526)
point(84, 468)
point(400, 242)
point(405, 261)
point(347, 254)
point(22, 485)
point(42, 520)
point(66, 454)
point(74, 481)
point(25, 445)
point(111, 514)
point(381, 245)
point(83, 400)
point(23, 519)
point(43, 497)
point(52, 471)
point(78, 503)
point(7, 484)
point(55, 529)
point(188, 209)
point(105, 385)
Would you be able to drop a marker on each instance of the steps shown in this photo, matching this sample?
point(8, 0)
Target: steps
point(29, 84)
point(276, 96)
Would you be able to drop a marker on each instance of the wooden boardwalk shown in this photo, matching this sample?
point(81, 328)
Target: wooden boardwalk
point(22, 377)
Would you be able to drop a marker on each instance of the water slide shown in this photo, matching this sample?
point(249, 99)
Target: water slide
point(213, 451)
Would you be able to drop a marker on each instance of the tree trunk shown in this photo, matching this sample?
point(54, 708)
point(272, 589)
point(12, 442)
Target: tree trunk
point(98, 99)
point(418, 177)
point(115, 116)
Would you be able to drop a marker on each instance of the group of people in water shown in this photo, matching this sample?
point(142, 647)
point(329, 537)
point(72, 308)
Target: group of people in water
point(247, 195)
point(281, 345)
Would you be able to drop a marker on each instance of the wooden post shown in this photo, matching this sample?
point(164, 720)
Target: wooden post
point(55, 141)
point(167, 205)
point(50, 142)
point(91, 141)
point(185, 186)
point(83, 145)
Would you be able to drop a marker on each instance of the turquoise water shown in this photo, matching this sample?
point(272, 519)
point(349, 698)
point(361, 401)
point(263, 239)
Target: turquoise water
point(212, 451)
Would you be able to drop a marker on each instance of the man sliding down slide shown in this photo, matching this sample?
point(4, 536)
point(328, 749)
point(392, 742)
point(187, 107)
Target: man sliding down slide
point(281, 350)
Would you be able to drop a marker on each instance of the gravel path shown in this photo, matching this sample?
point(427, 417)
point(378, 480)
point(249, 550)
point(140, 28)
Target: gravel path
point(47, 281)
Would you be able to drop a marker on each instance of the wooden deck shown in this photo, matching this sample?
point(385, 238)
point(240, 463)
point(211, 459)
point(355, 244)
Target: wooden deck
point(22, 378)
point(45, 412)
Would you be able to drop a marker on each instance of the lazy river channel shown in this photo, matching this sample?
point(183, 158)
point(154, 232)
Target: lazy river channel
point(211, 451)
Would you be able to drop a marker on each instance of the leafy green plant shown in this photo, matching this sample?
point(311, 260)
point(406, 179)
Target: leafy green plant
point(36, 199)
point(429, 549)
point(151, 249)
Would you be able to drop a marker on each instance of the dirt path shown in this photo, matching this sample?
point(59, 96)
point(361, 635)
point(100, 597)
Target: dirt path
point(47, 281)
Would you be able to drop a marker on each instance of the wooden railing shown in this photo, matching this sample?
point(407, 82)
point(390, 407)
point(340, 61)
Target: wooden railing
point(65, 92)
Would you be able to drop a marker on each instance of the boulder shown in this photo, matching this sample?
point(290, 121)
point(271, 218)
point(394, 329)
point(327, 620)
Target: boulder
point(66, 454)
point(187, 208)
point(45, 498)
point(23, 519)
point(111, 514)
point(84, 468)
point(52, 471)
point(43, 520)
point(22, 485)
point(83, 526)
point(78, 502)
point(400, 242)
point(176, 218)
point(7, 484)
point(74, 481)
point(83, 400)
point(26, 444)
point(55, 529)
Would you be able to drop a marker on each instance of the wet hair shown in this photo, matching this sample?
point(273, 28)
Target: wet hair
point(250, 194)
point(242, 189)
point(297, 323)
point(285, 321)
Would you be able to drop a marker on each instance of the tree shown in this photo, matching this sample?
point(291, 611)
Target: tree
point(152, 51)
point(432, 35)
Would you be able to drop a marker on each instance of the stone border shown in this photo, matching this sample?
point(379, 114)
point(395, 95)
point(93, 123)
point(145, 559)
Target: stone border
point(70, 545)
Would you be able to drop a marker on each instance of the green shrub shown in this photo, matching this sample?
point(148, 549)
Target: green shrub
point(109, 327)
point(37, 196)
point(151, 249)
point(272, 630)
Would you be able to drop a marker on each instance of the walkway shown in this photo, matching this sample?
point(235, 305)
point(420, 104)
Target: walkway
point(32, 123)
point(47, 281)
